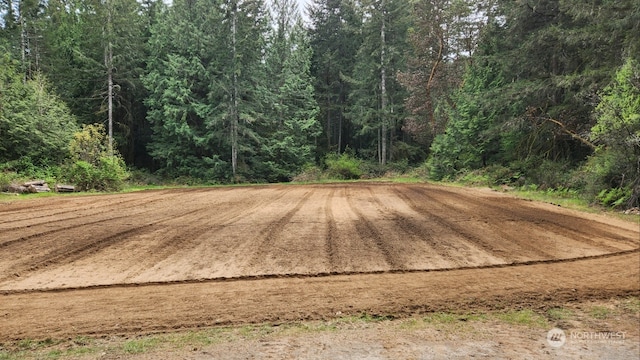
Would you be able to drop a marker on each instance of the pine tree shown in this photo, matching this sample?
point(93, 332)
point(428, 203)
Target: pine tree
point(290, 128)
point(335, 34)
point(34, 124)
point(183, 60)
point(239, 81)
point(93, 51)
point(377, 97)
point(443, 40)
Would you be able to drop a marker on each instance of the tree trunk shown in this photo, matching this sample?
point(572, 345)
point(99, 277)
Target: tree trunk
point(108, 63)
point(383, 91)
point(234, 105)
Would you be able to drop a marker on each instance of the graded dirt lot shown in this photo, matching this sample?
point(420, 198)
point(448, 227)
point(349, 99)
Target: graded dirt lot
point(158, 261)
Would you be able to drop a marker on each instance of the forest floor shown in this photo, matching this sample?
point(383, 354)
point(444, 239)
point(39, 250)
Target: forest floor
point(186, 260)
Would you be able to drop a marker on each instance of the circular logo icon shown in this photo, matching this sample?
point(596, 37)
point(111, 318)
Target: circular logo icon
point(556, 337)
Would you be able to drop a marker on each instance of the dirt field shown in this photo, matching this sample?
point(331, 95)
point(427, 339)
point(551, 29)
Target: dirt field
point(158, 261)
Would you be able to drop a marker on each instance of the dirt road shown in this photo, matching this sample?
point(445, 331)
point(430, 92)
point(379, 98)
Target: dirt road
point(171, 259)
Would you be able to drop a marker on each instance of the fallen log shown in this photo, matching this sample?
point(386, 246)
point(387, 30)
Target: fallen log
point(65, 188)
point(35, 182)
point(38, 188)
point(18, 189)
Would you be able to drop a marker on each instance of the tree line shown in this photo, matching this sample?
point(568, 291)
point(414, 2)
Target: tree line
point(529, 92)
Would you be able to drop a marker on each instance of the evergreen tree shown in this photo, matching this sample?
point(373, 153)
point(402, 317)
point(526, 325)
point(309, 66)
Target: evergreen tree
point(616, 163)
point(94, 55)
point(335, 34)
point(183, 55)
point(377, 97)
point(34, 124)
point(443, 41)
point(206, 83)
point(290, 127)
point(239, 81)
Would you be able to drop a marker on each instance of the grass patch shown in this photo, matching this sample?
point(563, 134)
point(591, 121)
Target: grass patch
point(524, 317)
point(559, 314)
point(142, 345)
point(600, 312)
point(631, 305)
point(439, 320)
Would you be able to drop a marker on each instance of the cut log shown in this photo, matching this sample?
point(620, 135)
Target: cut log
point(18, 189)
point(35, 182)
point(65, 188)
point(38, 188)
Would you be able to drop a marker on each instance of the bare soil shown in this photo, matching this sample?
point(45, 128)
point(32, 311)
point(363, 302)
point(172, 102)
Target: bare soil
point(158, 261)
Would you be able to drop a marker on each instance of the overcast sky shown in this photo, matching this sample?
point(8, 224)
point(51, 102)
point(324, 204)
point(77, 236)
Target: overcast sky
point(302, 6)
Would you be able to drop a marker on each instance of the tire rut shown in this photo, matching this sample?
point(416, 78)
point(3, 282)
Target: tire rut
point(518, 243)
point(415, 230)
point(559, 223)
point(96, 204)
point(469, 236)
point(82, 223)
point(271, 233)
point(368, 232)
point(331, 247)
point(72, 253)
point(195, 229)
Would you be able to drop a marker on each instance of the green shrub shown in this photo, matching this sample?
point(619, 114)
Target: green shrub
point(343, 167)
point(499, 175)
point(93, 168)
point(614, 197)
point(109, 175)
point(310, 172)
point(549, 174)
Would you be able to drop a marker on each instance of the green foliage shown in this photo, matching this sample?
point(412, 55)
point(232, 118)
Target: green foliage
point(7, 178)
point(290, 125)
point(343, 167)
point(615, 167)
point(108, 175)
point(547, 174)
point(376, 99)
point(92, 167)
point(34, 123)
point(614, 197)
point(335, 36)
point(471, 139)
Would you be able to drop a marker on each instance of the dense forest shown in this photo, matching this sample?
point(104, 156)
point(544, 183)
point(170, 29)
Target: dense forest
point(538, 93)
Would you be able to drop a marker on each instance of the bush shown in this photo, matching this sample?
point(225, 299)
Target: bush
point(549, 174)
point(343, 167)
point(309, 172)
point(92, 167)
point(109, 175)
point(614, 197)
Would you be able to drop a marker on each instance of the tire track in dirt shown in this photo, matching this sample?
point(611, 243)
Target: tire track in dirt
point(559, 223)
point(368, 232)
point(79, 219)
point(99, 203)
point(272, 231)
point(76, 251)
point(512, 243)
point(331, 247)
point(51, 255)
point(228, 214)
point(483, 245)
point(414, 230)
